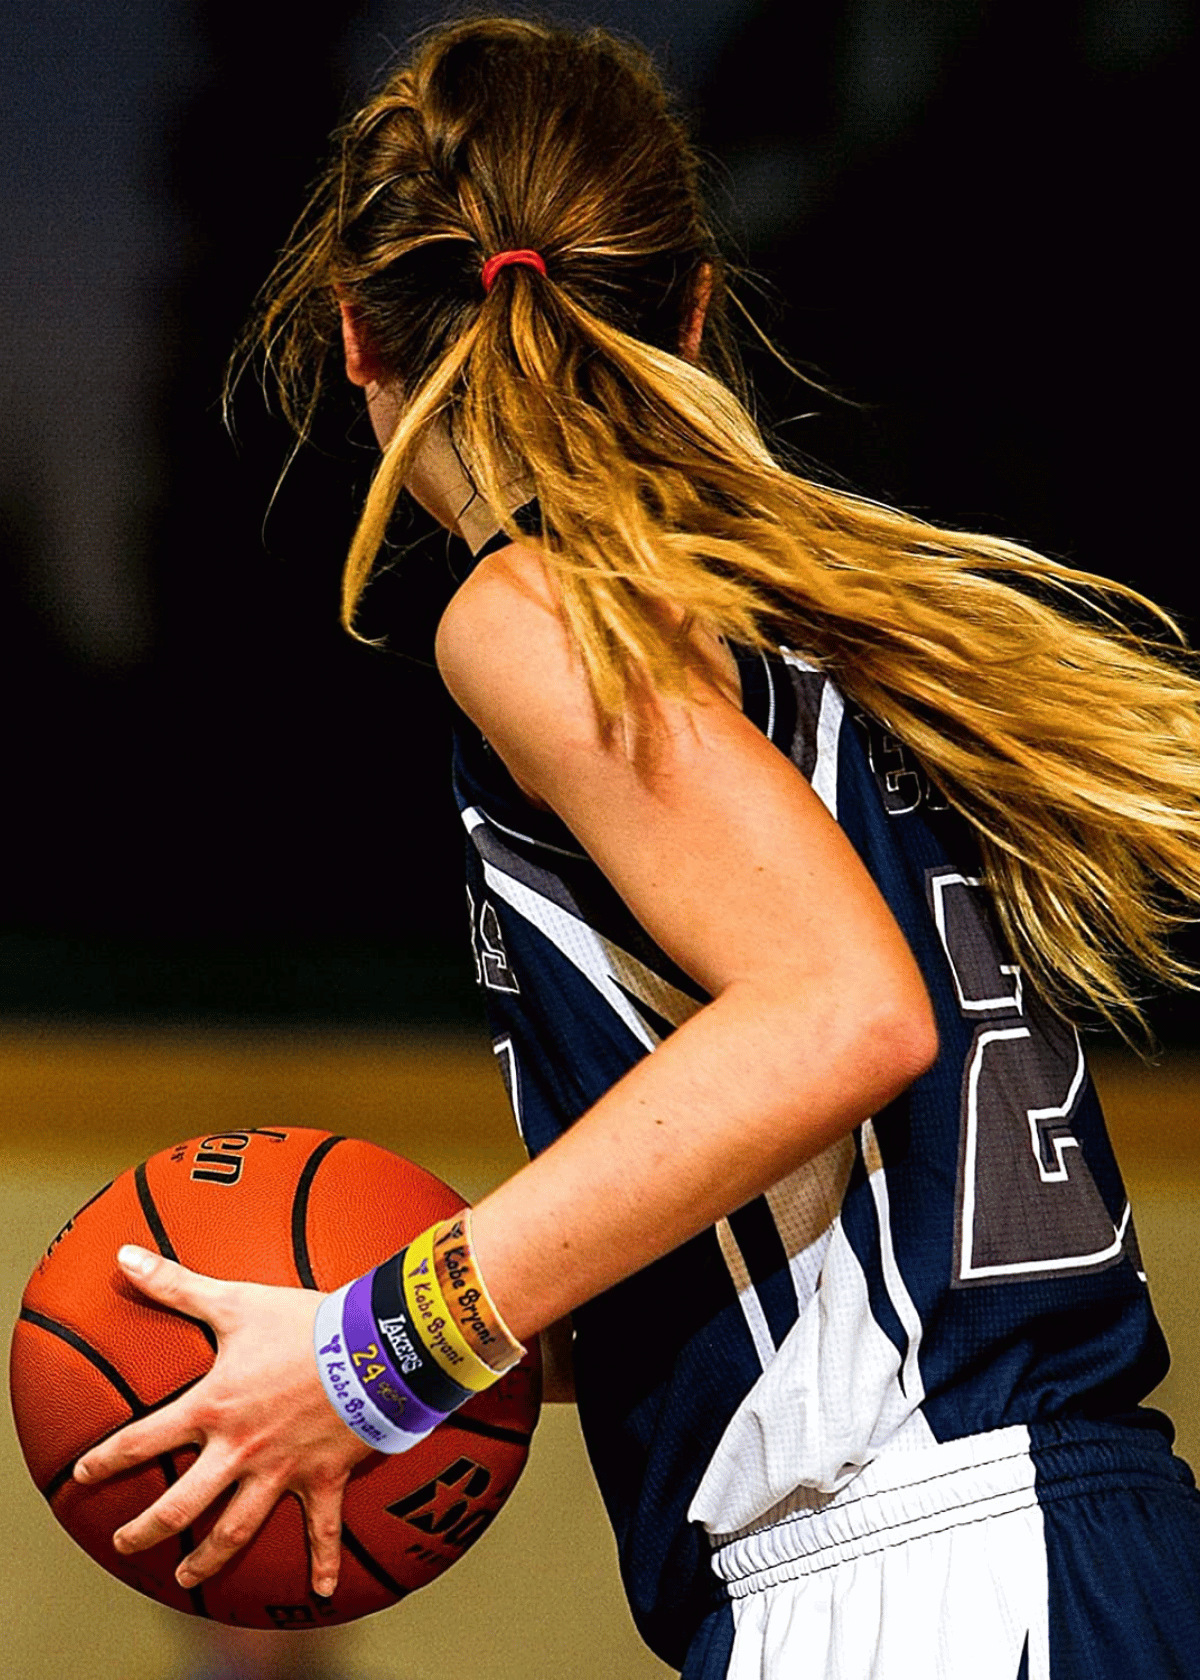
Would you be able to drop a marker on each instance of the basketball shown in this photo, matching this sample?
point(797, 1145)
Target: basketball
point(294, 1207)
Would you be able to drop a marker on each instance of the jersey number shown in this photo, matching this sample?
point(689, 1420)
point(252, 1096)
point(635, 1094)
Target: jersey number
point(1026, 1204)
point(492, 967)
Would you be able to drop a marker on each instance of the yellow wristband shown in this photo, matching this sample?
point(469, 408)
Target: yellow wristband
point(466, 1294)
point(435, 1323)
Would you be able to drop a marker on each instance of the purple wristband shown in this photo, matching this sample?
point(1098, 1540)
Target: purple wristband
point(373, 1366)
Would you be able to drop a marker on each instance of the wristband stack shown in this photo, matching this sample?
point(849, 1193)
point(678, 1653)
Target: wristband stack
point(402, 1347)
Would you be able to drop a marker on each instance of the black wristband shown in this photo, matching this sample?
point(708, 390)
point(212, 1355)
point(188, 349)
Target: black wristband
point(413, 1360)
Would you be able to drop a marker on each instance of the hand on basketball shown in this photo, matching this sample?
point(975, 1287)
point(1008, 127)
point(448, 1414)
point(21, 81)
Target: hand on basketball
point(260, 1419)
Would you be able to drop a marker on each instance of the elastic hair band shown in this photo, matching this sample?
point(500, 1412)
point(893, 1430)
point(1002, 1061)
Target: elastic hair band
point(492, 267)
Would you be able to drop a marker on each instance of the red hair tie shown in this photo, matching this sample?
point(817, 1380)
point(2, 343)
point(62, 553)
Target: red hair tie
point(492, 267)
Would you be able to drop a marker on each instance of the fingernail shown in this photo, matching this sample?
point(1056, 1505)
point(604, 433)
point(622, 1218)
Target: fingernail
point(327, 1587)
point(185, 1578)
point(134, 1259)
point(82, 1472)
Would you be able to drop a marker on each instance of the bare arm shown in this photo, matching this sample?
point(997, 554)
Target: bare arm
point(819, 1015)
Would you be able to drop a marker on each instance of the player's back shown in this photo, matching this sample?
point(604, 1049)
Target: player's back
point(964, 1262)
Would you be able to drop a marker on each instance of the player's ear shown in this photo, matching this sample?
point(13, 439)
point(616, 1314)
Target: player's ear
point(692, 330)
point(363, 366)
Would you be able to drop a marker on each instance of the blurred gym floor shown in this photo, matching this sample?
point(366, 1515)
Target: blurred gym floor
point(539, 1597)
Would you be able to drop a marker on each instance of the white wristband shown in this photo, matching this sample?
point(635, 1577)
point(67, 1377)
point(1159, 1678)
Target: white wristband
point(345, 1393)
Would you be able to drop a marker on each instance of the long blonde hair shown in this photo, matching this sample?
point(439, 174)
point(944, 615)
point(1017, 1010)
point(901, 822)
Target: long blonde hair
point(1067, 740)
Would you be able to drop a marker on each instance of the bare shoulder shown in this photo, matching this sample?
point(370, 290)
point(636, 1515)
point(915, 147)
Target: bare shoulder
point(506, 657)
point(503, 649)
point(502, 641)
point(714, 840)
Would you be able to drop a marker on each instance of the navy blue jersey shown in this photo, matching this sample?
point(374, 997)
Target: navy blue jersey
point(964, 1261)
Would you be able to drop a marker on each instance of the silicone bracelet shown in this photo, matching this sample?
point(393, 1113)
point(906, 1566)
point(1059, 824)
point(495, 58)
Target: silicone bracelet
point(342, 1388)
point(370, 1357)
point(435, 1323)
point(412, 1359)
point(466, 1294)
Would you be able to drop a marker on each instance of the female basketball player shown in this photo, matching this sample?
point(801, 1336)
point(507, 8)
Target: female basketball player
point(841, 816)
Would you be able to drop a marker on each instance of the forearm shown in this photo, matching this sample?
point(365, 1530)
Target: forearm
point(753, 1085)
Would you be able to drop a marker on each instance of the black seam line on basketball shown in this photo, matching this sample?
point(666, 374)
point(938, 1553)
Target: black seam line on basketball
point(73, 1339)
point(187, 1539)
point(165, 1246)
point(362, 1556)
point(61, 1477)
point(300, 1255)
point(493, 1431)
point(89, 1202)
point(158, 1229)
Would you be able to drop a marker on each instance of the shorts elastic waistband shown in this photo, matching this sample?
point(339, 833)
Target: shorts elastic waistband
point(906, 1493)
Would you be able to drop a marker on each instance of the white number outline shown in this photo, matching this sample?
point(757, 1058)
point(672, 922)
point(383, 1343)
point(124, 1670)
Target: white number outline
point(492, 967)
point(968, 1271)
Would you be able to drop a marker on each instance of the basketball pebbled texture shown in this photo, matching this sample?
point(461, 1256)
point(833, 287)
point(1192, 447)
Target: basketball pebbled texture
point(295, 1207)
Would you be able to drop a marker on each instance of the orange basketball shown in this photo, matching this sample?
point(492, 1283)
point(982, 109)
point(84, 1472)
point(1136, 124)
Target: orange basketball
point(90, 1353)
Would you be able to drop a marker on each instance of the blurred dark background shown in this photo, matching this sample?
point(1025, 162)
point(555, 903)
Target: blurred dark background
point(969, 220)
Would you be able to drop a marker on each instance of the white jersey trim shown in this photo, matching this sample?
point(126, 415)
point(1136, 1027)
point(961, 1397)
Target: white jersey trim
point(829, 728)
point(739, 1272)
point(600, 960)
point(910, 1372)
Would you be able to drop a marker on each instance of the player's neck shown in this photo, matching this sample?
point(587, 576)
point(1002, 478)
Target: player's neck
point(440, 483)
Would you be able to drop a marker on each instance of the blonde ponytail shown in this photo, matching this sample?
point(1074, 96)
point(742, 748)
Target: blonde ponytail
point(1070, 743)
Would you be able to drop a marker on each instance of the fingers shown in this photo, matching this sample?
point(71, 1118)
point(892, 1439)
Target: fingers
point(179, 1507)
point(237, 1525)
point(174, 1286)
point(188, 1292)
point(160, 1432)
point(259, 1416)
point(245, 1514)
point(323, 1519)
